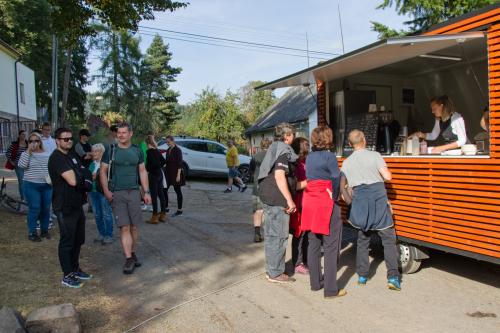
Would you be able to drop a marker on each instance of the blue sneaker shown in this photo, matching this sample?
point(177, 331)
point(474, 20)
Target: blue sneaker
point(394, 284)
point(71, 281)
point(362, 280)
point(81, 275)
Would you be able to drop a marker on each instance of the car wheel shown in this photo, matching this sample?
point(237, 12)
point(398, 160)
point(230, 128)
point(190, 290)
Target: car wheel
point(244, 171)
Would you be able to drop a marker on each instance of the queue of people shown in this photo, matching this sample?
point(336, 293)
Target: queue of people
point(300, 190)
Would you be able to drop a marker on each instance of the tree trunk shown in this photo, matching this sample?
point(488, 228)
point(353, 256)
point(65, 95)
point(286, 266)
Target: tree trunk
point(67, 74)
point(116, 102)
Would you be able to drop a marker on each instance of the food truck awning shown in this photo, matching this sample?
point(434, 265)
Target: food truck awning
point(381, 53)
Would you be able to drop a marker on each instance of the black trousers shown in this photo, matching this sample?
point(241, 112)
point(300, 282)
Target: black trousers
point(331, 247)
point(388, 237)
point(72, 230)
point(156, 189)
point(299, 249)
point(178, 191)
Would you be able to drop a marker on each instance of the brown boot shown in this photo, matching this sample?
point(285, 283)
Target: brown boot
point(163, 217)
point(154, 219)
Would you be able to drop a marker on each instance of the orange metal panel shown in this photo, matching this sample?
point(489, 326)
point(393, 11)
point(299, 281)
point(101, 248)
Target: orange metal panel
point(473, 226)
point(467, 24)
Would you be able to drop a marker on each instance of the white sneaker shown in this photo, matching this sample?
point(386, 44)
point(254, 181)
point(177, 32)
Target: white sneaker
point(144, 207)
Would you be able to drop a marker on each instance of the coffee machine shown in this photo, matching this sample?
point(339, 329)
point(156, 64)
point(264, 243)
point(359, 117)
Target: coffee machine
point(388, 130)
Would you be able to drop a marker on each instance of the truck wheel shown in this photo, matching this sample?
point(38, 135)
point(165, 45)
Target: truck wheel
point(407, 260)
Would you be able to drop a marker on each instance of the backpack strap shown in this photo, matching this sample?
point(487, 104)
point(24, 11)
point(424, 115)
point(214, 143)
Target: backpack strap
point(112, 150)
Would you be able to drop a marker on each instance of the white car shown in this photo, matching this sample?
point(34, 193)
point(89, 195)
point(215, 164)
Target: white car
point(205, 157)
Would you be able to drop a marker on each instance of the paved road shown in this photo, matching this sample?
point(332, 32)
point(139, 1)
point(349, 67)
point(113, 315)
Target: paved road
point(210, 249)
point(202, 273)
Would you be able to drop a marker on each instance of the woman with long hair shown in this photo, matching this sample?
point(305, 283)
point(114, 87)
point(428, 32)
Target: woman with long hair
point(299, 237)
point(13, 154)
point(449, 126)
point(321, 212)
point(174, 172)
point(36, 187)
point(154, 166)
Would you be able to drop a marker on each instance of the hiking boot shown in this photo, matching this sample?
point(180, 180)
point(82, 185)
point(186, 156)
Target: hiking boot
point(137, 263)
point(81, 275)
point(34, 238)
point(282, 278)
point(228, 190)
point(341, 293)
point(45, 235)
point(394, 284)
point(177, 213)
point(362, 280)
point(71, 281)
point(129, 266)
point(154, 219)
point(301, 269)
point(257, 238)
point(162, 217)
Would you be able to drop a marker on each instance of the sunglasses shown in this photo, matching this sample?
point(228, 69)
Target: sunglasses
point(65, 139)
point(31, 141)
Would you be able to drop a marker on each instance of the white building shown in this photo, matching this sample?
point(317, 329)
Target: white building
point(23, 101)
point(16, 105)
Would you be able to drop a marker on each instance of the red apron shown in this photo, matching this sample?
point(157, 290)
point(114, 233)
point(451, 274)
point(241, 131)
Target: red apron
point(317, 207)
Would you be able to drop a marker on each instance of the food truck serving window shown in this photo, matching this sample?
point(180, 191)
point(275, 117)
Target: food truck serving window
point(450, 66)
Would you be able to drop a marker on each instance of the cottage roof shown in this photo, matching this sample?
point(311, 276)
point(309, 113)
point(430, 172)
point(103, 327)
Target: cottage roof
point(9, 50)
point(294, 106)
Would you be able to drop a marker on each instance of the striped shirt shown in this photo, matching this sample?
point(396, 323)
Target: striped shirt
point(35, 166)
point(19, 151)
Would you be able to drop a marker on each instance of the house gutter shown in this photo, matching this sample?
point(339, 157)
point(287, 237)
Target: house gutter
point(17, 94)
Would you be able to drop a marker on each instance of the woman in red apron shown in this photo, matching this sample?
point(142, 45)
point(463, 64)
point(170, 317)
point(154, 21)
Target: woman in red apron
point(321, 213)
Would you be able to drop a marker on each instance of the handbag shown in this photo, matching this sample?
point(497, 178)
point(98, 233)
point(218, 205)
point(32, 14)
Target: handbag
point(9, 165)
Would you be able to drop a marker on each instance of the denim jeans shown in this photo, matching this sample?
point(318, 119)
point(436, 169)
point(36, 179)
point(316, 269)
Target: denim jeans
point(20, 177)
point(275, 239)
point(39, 197)
point(102, 213)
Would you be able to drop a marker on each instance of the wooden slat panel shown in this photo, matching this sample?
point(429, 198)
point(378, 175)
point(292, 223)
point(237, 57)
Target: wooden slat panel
point(458, 232)
point(455, 245)
point(468, 24)
point(453, 223)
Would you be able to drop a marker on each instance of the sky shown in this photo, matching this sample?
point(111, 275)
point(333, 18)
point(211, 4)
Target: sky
point(278, 22)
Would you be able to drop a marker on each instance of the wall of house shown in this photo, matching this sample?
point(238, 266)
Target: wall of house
point(26, 79)
point(7, 87)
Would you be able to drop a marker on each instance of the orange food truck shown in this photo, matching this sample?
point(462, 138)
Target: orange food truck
point(448, 201)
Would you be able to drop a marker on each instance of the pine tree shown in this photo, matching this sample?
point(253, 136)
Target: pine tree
point(157, 74)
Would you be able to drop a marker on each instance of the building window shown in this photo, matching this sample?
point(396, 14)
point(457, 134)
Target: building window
point(21, 93)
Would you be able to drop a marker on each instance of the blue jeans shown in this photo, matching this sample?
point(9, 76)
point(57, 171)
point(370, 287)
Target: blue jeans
point(39, 197)
point(103, 214)
point(20, 176)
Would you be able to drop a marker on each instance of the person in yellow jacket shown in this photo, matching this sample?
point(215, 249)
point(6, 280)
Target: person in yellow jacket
point(233, 162)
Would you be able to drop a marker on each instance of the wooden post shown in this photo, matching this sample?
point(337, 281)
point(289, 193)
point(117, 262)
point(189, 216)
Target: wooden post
point(321, 102)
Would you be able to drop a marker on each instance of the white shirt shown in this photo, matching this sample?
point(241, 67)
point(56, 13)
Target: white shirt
point(457, 127)
point(49, 144)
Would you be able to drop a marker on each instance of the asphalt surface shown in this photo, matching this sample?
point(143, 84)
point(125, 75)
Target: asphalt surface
point(202, 272)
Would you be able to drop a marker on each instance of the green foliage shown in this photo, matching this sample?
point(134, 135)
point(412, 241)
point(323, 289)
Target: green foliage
point(254, 103)
point(225, 117)
point(157, 74)
point(425, 13)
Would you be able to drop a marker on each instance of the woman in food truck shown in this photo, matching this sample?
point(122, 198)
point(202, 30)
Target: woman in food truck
point(448, 127)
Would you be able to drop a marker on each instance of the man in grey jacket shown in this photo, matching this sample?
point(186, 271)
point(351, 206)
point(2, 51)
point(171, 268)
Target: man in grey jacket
point(277, 201)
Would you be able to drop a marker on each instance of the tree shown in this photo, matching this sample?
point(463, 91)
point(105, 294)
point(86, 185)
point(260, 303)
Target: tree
point(425, 13)
point(20, 27)
point(254, 103)
point(157, 74)
point(72, 20)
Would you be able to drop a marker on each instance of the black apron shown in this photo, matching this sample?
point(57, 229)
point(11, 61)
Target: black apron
point(446, 133)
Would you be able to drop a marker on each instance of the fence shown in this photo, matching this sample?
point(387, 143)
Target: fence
point(9, 131)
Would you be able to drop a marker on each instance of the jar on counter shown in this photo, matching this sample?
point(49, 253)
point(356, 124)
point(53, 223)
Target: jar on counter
point(423, 147)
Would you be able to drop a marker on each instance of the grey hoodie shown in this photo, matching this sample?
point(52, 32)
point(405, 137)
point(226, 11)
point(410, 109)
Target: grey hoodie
point(277, 149)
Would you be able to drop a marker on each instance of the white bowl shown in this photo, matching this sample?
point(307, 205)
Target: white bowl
point(469, 149)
